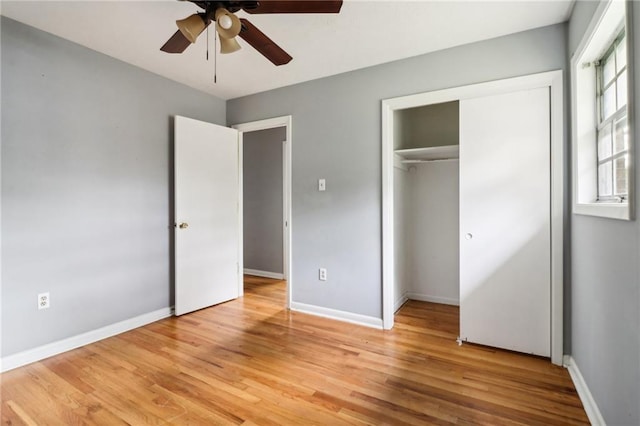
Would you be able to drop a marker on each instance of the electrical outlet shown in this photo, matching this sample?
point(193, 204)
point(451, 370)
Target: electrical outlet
point(43, 300)
point(322, 274)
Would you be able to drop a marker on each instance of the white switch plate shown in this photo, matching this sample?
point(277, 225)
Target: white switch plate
point(322, 274)
point(322, 185)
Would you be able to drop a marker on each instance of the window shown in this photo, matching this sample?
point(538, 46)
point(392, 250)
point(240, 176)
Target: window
point(602, 133)
point(612, 134)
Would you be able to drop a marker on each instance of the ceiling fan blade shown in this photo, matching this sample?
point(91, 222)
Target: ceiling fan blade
point(176, 44)
point(296, 6)
point(263, 44)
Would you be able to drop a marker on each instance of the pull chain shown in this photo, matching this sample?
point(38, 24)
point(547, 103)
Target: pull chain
point(215, 54)
point(215, 57)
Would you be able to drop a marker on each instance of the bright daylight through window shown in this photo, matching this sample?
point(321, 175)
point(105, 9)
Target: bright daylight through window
point(613, 135)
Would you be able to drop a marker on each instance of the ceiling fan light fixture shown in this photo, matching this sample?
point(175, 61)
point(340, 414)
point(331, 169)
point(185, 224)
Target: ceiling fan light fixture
point(225, 21)
point(191, 27)
point(227, 24)
point(229, 45)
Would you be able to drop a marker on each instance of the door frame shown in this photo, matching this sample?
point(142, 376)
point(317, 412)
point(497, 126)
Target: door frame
point(252, 126)
point(551, 79)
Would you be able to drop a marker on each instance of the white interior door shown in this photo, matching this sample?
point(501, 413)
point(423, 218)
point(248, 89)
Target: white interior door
point(207, 234)
point(505, 231)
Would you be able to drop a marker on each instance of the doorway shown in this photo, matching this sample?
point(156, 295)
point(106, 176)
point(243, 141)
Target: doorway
point(265, 161)
point(263, 201)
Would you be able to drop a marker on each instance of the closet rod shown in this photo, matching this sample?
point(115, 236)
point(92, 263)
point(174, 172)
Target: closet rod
point(428, 161)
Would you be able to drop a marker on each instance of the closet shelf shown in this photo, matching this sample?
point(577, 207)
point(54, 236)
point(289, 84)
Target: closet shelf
point(435, 153)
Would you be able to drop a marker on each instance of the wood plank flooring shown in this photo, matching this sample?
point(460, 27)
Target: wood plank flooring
point(250, 362)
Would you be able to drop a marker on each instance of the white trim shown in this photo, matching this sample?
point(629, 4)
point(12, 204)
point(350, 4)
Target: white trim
point(388, 234)
point(240, 214)
point(265, 274)
point(631, 107)
point(591, 29)
point(288, 161)
point(284, 209)
point(45, 351)
point(1, 274)
point(551, 79)
point(588, 402)
point(270, 123)
point(400, 302)
point(433, 299)
point(583, 143)
point(557, 216)
point(471, 91)
point(609, 210)
point(349, 317)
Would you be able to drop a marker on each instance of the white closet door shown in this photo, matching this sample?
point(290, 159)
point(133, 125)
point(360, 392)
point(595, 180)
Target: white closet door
point(505, 223)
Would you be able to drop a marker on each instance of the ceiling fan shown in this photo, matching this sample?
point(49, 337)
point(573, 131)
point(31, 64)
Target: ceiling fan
point(229, 26)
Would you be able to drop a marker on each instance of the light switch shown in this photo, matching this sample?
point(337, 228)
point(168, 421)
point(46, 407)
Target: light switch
point(322, 185)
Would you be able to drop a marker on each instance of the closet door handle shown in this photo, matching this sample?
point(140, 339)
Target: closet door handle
point(468, 236)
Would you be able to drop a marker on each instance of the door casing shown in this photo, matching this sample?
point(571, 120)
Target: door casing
point(270, 123)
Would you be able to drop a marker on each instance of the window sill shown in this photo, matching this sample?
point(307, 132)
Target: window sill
point(609, 210)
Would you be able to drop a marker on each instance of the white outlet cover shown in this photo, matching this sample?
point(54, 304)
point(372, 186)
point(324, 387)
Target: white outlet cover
point(322, 185)
point(43, 300)
point(322, 274)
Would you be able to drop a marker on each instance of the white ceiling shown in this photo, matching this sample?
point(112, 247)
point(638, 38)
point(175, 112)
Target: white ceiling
point(364, 33)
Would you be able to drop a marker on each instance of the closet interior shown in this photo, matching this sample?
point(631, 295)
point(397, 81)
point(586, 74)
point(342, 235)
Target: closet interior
point(426, 203)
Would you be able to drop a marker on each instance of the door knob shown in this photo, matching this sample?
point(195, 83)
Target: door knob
point(183, 225)
point(468, 236)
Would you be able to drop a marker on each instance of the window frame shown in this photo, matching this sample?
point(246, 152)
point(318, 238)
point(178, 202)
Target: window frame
point(603, 29)
point(619, 114)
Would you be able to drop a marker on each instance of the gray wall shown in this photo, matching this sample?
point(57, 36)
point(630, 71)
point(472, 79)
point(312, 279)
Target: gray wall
point(433, 232)
point(605, 295)
point(401, 237)
point(85, 186)
point(262, 199)
point(429, 125)
point(336, 135)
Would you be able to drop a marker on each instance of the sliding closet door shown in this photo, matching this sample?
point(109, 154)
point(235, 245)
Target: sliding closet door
point(505, 222)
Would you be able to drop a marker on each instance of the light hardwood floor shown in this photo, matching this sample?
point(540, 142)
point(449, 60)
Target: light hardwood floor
point(251, 362)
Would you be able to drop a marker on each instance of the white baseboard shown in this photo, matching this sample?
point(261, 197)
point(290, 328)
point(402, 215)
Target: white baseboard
point(590, 406)
point(265, 274)
point(401, 301)
point(45, 351)
point(337, 315)
point(434, 299)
